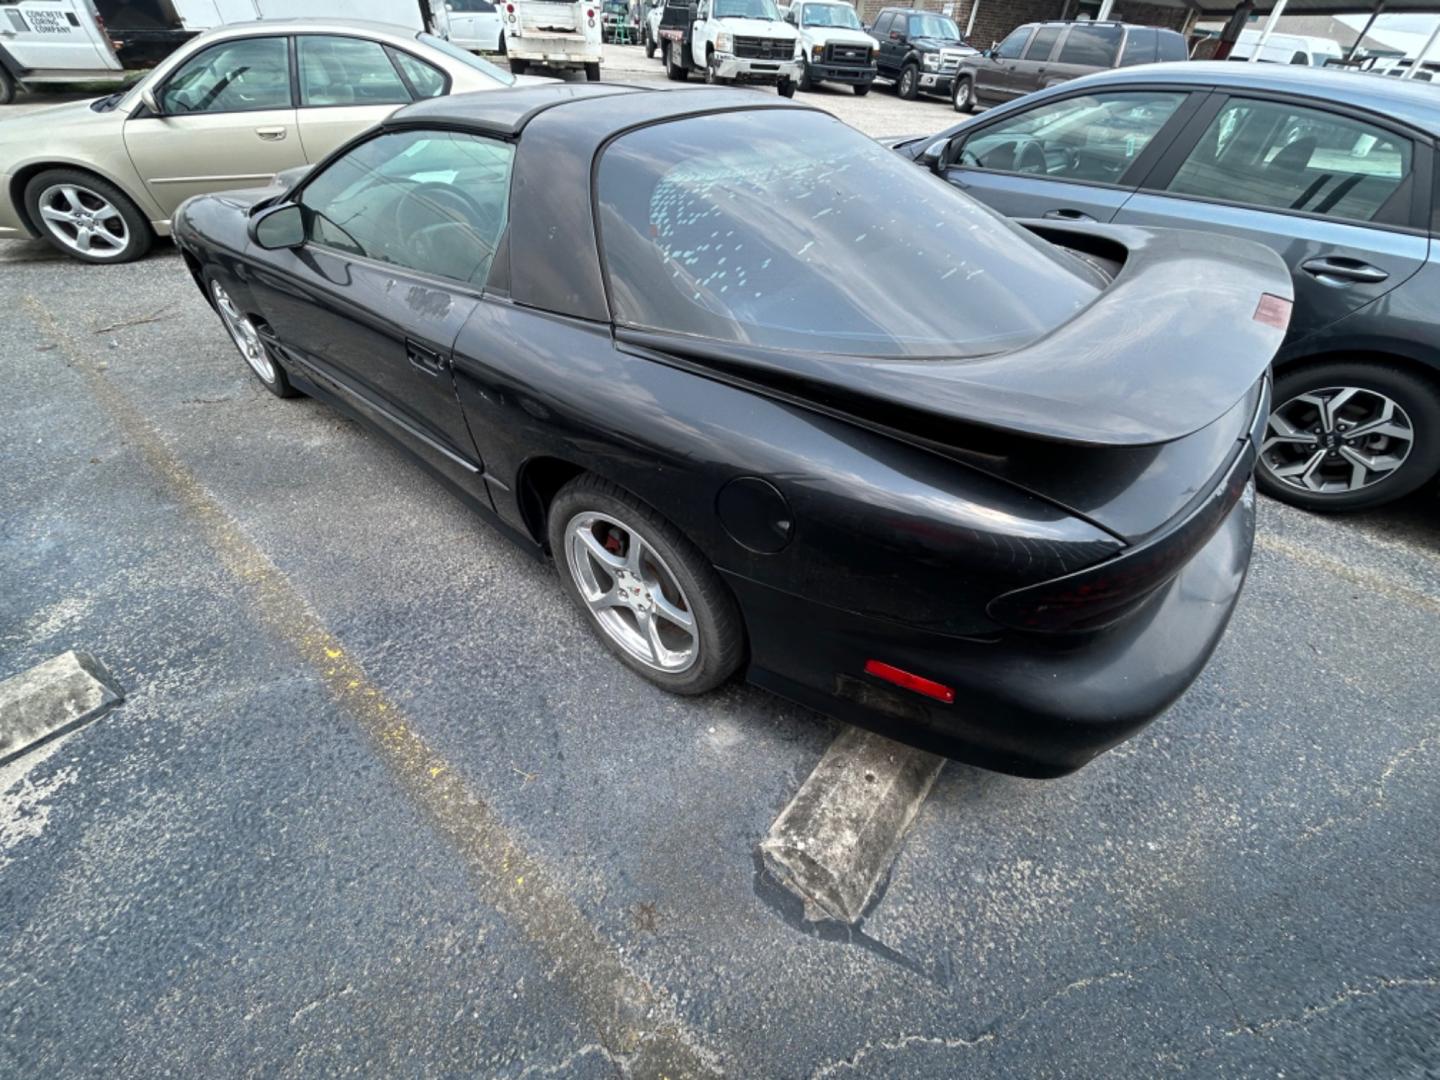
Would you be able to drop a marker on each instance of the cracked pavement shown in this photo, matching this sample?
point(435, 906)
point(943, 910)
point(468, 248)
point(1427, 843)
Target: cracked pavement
point(250, 868)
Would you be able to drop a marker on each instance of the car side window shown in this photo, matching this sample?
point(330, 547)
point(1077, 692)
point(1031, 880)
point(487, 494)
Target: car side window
point(233, 76)
point(1091, 138)
point(1140, 44)
point(1286, 157)
point(882, 25)
point(432, 201)
point(1043, 42)
point(347, 71)
point(425, 80)
point(1014, 44)
point(1092, 46)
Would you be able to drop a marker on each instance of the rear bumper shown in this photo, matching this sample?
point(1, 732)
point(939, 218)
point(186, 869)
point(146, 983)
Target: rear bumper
point(861, 76)
point(1030, 705)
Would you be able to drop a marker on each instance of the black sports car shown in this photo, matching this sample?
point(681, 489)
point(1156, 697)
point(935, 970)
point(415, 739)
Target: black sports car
point(774, 399)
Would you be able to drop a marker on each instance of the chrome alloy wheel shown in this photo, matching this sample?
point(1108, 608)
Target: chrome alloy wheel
point(243, 333)
point(633, 594)
point(1336, 440)
point(84, 221)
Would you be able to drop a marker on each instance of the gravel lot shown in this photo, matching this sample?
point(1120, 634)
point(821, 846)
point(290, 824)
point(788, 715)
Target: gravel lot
point(376, 804)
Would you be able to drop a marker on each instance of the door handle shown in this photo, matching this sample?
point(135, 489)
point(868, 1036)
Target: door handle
point(1065, 213)
point(271, 134)
point(427, 360)
point(1340, 270)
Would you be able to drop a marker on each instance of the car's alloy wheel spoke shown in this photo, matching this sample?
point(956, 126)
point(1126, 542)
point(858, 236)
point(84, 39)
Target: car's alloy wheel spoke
point(1336, 440)
point(632, 592)
point(243, 333)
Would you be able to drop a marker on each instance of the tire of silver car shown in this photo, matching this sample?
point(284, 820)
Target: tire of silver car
point(7, 87)
point(909, 84)
point(1349, 435)
point(87, 218)
point(646, 591)
point(248, 335)
point(963, 94)
point(675, 69)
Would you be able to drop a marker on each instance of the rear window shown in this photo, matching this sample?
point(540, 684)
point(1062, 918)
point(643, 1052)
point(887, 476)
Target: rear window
point(1170, 46)
point(1093, 46)
point(1139, 46)
point(789, 230)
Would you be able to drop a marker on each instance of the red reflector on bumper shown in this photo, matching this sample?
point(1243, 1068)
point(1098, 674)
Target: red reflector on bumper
point(1273, 311)
point(928, 687)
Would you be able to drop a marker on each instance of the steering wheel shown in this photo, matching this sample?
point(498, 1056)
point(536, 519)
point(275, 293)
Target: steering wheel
point(1030, 157)
point(418, 207)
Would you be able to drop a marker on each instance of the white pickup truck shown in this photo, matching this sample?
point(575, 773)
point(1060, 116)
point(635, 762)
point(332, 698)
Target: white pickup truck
point(834, 47)
point(730, 41)
point(554, 34)
point(60, 41)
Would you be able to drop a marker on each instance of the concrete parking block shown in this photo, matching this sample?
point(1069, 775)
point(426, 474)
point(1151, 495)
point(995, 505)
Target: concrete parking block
point(833, 845)
point(50, 698)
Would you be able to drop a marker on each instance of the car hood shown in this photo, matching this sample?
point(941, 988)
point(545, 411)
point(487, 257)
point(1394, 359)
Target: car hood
point(72, 115)
point(765, 28)
point(1174, 342)
point(941, 43)
point(837, 35)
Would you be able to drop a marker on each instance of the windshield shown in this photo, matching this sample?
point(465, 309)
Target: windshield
point(789, 230)
point(746, 9)
point(936, 26)
point(503, 77)
point(831, 15)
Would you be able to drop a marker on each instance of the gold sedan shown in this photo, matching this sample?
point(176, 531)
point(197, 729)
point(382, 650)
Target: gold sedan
point(101, 179)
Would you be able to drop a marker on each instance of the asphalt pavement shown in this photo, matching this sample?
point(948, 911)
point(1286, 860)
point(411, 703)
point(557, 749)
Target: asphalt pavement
point(376, 803)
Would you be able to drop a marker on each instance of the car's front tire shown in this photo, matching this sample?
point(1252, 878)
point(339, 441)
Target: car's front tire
point(806, 82)
point(248, 337)
point(861, 89)
point(649, 45)
point(962, 95)
point(909, 84)
point(7, 87)
point(1350, 435)
point(647, 592)
point(87, 218)
point(786, 88)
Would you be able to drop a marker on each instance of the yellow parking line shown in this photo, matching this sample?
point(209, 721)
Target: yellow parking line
point(636, 1021)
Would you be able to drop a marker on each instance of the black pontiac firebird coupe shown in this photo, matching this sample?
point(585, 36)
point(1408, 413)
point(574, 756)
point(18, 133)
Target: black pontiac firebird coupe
point(773, 398)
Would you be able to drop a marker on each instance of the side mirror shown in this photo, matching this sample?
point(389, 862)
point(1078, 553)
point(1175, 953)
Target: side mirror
point(933, 156)
point(278, 227)
point(150, 101)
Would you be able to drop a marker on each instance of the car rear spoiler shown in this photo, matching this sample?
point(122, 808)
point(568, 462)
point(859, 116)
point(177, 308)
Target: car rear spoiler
point(1183, 332)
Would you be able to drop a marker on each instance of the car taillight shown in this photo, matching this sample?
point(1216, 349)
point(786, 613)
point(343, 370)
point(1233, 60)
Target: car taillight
point(1103, 595)
point(589, 13)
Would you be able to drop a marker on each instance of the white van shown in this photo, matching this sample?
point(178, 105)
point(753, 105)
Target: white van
point(54, 41)
point(1287, 49)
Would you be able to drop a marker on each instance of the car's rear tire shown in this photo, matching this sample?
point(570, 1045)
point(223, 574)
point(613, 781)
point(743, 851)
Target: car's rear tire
point(592, 72)
point(806, 82)
point(519, 67)
point(637, 571)
point(249, 338)
point(675, 69)
point(909, 84)
point(712, 77)
point(861, 89)
point(1350, 435)
point(962, 95)
point(7, 87)
point(87, 218)
point(786, 88)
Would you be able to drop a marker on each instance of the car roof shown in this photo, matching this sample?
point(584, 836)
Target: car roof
point(1412, 103)
point(304, 25)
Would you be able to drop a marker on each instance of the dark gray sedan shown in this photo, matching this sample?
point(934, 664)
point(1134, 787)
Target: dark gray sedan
point(1336, 172)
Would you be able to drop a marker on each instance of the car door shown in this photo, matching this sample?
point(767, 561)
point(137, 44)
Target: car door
point(1029, 71)
point(400, 233)
point(347, 84)
point(55, 35)
point(893, 43)
point(226, 120)
point(1338, 193)
point(475, 24)
point(994, 72)
point(1076, 157)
